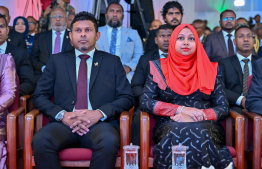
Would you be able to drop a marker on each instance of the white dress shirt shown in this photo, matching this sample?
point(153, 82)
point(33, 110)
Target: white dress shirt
point(161, 54)
point(242, 64)
point(118, 39)
point(202, 37)
point(54, 37)
point(232, 38)
point(3, 48)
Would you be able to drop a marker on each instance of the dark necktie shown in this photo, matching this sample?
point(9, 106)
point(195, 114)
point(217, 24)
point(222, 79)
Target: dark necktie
point(81, 93)
point(57, 43)
point(230, 45)
point(112, 47)
point(246, 76)
point(165, 54)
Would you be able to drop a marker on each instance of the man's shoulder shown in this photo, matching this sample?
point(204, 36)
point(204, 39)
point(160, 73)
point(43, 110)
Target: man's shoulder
point(227, 59)
point(150, 55)
point(106, 55)
point(258, 62)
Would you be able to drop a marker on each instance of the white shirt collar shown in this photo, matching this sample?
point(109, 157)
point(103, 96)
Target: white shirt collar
point(240, 57)
point(201, 38)
point(33, 34)
point(225, 33)
point(91, 53)
point(3, 47)
point(54, 32)
point(160, 53)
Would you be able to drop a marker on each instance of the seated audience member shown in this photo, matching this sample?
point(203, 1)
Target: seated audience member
point(139, 79)
point(207, 31)
point(14, 38)
point(70, 18)
point(50, 42)
point(32, 31)
point(20, 56)
point(257, 18)
point(20, 25)
point(155, 24)
point(186, 87)
point(199, 25)
point(241, 22)
point(83, 114)
point(45, 19)
point(7, 97)
point(258, 31)
point(172, 14)
point(254, 99)
point(237, 68)
point(220, 45)
point(120, 41)
point(217, 29)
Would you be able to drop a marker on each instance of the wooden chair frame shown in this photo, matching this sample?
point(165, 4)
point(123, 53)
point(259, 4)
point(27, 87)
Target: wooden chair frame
point(34, 119)
point(147, 162)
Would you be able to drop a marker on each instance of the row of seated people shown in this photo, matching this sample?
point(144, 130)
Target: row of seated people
point(108, 111)
point(203, 95)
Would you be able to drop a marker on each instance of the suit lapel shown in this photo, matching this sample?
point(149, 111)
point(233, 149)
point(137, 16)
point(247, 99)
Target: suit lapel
point(48, 39)
point(105, 38)
point(65, 41)
point(156, 55)
point(71, 65)
point(237, 66)
point(124, 36)
point(222, 42)
point(97, 61)
point(8, 48)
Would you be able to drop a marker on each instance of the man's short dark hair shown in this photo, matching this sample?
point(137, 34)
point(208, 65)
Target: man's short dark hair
point(3, 16)
point(172, 4)
point(227, 10)
point(241, 27)
point(164, 27)
point(5, 9)
point(199, 21)
point(242, 18)
point(83, 16)
point(116, 4)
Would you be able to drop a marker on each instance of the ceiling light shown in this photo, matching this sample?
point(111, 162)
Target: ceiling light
point(239, 2)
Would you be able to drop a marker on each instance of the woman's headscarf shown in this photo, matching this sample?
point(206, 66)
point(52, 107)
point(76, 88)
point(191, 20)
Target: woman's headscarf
point(26, 24)
point(186, 74)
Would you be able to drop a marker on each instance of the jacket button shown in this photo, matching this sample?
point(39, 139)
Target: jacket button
point(73, 102)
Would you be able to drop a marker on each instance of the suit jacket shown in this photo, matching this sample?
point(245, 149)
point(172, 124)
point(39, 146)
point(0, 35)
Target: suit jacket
point(109, 89)
point(232, 76)
point(254, 97)
point(141, 73)
point(131, 46)
point(42, 49)
point(150, 43)
point(16, 39)
point(23, 68)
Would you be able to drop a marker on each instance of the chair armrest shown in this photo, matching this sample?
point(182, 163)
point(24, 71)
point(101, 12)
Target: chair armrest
point(144, 139)
point(239, 137)
point(124, 134)
point(24, 102)
point(13, 118)
point(257, 132)
point(29, 133)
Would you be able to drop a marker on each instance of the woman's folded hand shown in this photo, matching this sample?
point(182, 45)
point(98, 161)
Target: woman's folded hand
point(182, 118)
point(196, 114)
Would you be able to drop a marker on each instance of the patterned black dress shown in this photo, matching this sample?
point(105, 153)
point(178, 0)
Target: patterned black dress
point(205, 139)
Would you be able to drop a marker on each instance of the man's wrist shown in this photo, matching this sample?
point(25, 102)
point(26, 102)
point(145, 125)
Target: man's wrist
point(60, 115)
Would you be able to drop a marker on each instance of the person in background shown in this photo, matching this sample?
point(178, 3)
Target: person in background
point(33, 25)
point(200, 26)
point(20, 25)
point(14, 38)
point(44, 20)
point(241, 22)
point(70, 18)
point(172, 14)
point(207, 31)
point(217, 29)
point(155, 24)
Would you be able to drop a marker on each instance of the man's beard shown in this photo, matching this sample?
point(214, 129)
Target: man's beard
point(58, 28)
point(114, 24)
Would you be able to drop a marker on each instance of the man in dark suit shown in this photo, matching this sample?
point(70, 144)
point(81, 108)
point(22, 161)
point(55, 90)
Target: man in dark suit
point(200, 26)
point(14, 38)
point(139, 79)
point(90, 91)
point(172, 14)
point(50, 42)
point(237, 68)
point(220, 45)
point(22, 62)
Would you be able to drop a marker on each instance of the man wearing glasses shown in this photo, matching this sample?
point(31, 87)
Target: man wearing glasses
point(220, 45)
point(50, 42)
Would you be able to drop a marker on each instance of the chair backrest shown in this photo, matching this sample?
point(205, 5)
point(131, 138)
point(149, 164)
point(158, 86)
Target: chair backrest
point(16, 102)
